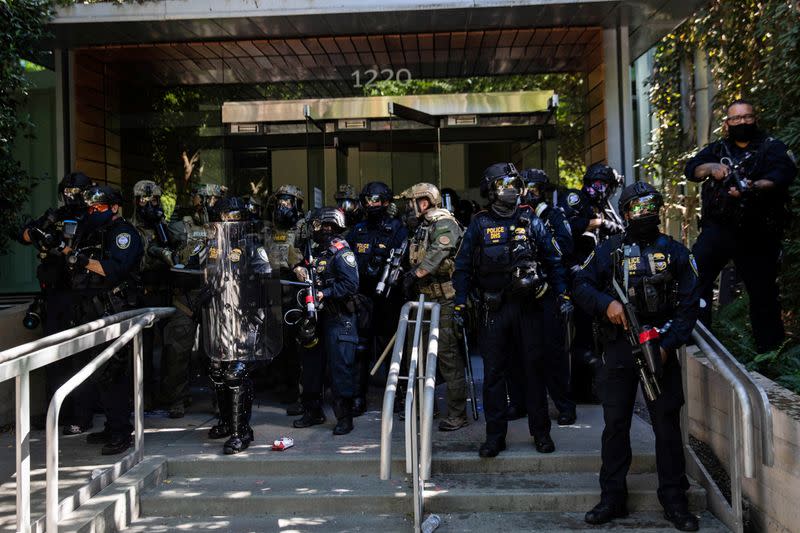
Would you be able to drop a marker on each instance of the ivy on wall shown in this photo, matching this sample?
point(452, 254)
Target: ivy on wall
point(753, 52)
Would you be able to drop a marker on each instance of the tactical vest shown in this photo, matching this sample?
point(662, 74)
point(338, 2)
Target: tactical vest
point(282, 248)
point(419, 243)
point(374, 244)
point(502, 245)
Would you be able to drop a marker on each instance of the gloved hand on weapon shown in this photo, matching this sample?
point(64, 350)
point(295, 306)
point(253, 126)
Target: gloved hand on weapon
point(565, 304)
point(77, 260)
point(458, 315)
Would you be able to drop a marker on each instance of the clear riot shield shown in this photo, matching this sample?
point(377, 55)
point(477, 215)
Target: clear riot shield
point(243, 319)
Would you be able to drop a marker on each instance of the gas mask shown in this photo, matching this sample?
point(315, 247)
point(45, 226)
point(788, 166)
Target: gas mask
point(286, 214)
point(149, 210)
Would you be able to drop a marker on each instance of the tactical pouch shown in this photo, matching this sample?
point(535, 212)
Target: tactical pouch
point(492, 300)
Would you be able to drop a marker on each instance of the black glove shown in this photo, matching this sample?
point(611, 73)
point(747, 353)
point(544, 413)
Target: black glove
point(409, 283)
point(565, 304)
point(458, 315)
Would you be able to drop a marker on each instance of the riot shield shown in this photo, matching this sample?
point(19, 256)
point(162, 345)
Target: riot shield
point(243, 318)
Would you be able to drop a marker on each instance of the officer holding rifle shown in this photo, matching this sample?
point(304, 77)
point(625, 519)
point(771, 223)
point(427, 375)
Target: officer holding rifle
point(642, 287)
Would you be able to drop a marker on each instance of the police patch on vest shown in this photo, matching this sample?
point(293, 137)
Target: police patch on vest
point(349, 258)
point(588, 260)
point(123, 240)
point(213, 253)
point(693, 264)
point(235, 255)
point(660, 261)
point(279, 237)
point(362, 247)
point(262, 253)
point(573, 199)
point(496, 233)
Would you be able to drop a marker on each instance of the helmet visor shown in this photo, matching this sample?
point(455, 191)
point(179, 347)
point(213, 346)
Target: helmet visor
point(534, 189)
point(347, 205)
point(507, 182)
point(72, 194)
point(643, 206)
point(373, 199)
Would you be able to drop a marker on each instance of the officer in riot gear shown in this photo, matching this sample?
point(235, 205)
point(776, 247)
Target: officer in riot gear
point(163, 244)
point(347, 200)
point(592, 220)
point(242, 317)
point(103, 262)
point(53, 307)
point(511, 261)
point(658, 278)
point(204, 200)
point(745, 193)
point(285, 221)
point(431, 251)
point(333, 271)
point(372, 241)
point(538, 190)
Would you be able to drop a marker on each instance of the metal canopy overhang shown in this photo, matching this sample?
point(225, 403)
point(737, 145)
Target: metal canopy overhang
point(106, 23)
point(377, 107)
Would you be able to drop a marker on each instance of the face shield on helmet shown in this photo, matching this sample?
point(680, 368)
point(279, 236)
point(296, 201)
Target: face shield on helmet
point(643, 207)
point(534, 193)
point(507, 189)
point(72, 196)
point(598, 190)
point(347, 205)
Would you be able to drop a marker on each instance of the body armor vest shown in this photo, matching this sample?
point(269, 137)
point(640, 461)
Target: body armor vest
point(646, 274)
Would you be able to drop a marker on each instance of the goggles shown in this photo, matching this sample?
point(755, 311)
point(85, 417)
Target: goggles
point(507, 182)
point(373, 199)
point(285, 200)
point(72, 193)
point(153, 200)
point(643, 206)
point(98, 208)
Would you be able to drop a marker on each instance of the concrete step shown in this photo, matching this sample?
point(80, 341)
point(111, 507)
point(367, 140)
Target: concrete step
point(522, 492)
point(525, 460)
point(647, 522)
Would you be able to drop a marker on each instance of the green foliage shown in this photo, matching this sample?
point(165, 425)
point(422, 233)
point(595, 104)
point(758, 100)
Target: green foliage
point(23, 22)
point(570, 116)
point(753, 49)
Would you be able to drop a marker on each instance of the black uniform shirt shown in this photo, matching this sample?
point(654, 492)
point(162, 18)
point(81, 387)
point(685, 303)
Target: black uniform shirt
point(337, 270)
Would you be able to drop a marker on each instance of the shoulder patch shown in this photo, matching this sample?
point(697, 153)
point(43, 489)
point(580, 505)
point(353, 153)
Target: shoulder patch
point(123, 240)
point(573, 199)
point(693, 264)
point(349, 258)
point(444, 240)
point(588, 260)
point(338, 244)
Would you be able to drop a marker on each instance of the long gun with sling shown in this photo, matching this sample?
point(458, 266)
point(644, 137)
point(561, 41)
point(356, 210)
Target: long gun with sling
point(391, 270)
point(470, 377)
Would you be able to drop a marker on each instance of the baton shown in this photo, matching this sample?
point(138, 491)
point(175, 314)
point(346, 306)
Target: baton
point(470, 380)
point(386, 350)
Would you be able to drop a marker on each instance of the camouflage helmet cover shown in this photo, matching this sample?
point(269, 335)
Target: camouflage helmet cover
point(423, 190)
point(290, 190)
point(146, 189)
point(210, 189)
point(346, 191)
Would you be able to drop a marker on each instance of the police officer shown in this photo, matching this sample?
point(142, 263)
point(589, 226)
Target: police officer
point(163, 250)
point(334, 271)
point(372, 241)
point(592, 220)
point(510, 259)
point(285, 224)
point(347, 200)
point(431, 251)
point(659, 278)
point(103, 262)
point(745, 178)
point(204, 200)
point(50, 232)
point(537, 195)
point(242, 318)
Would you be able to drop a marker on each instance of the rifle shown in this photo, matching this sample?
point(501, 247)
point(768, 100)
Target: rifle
point(737, 178)
point(470, 378)
point(391, 270)
point(646, 350)
point(307, 325)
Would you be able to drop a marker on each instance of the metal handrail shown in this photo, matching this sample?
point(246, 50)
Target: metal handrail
point(417, 413)
point(749, 398)
point(19, 361)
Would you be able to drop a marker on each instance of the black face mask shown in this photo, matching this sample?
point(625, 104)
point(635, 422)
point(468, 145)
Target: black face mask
point(644, 229)
point(743, 132)
point(375, 213)
point(323, 237)
point(286, 216)
point(99, 219)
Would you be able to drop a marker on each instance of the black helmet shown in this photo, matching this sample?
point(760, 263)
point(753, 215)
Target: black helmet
point(232, 209)
point(102, 194)
point(534, 175)
point(375, 191)
point(71, 188)
point(536, 184)
point(328, 215)
point(646, 197)
point(600, 181)
point(493, 172)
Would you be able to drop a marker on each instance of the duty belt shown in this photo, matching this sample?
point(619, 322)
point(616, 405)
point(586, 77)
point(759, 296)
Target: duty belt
point(437, 289)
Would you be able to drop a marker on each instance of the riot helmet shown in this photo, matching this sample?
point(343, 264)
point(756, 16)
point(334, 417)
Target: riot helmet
point(147, 196)
point(375, 198)
point(600, 182)
point(100, 200)
point(640, 204)
point(71, 189)
point(287, 205)
point(204, 199)
point(232, 209)
point(347, 200)
point(537, 184)
point(326, 223)
point(501, 184)
point(417, 192)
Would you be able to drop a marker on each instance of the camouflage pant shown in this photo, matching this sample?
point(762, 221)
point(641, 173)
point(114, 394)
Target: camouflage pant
point(450, 361)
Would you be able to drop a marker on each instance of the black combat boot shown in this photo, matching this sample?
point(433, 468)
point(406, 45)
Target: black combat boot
point(312, 416)
point(344, 416)
point(224, 427)
point(359, 406)
point(242, 408)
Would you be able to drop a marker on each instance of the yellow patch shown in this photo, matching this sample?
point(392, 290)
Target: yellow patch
point(633, 264)
point(279, 237)
point(660, 261)
point(362, 247)
point(495, 234)
point(235, 255)
point(213, 253)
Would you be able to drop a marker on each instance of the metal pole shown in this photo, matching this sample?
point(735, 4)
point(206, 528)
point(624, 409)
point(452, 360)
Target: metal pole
point(387, 414)
point(23, 401)
point(412, 378)
point(415, 479)
point(428, 394)
point(736, 468)
point(138, 395)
